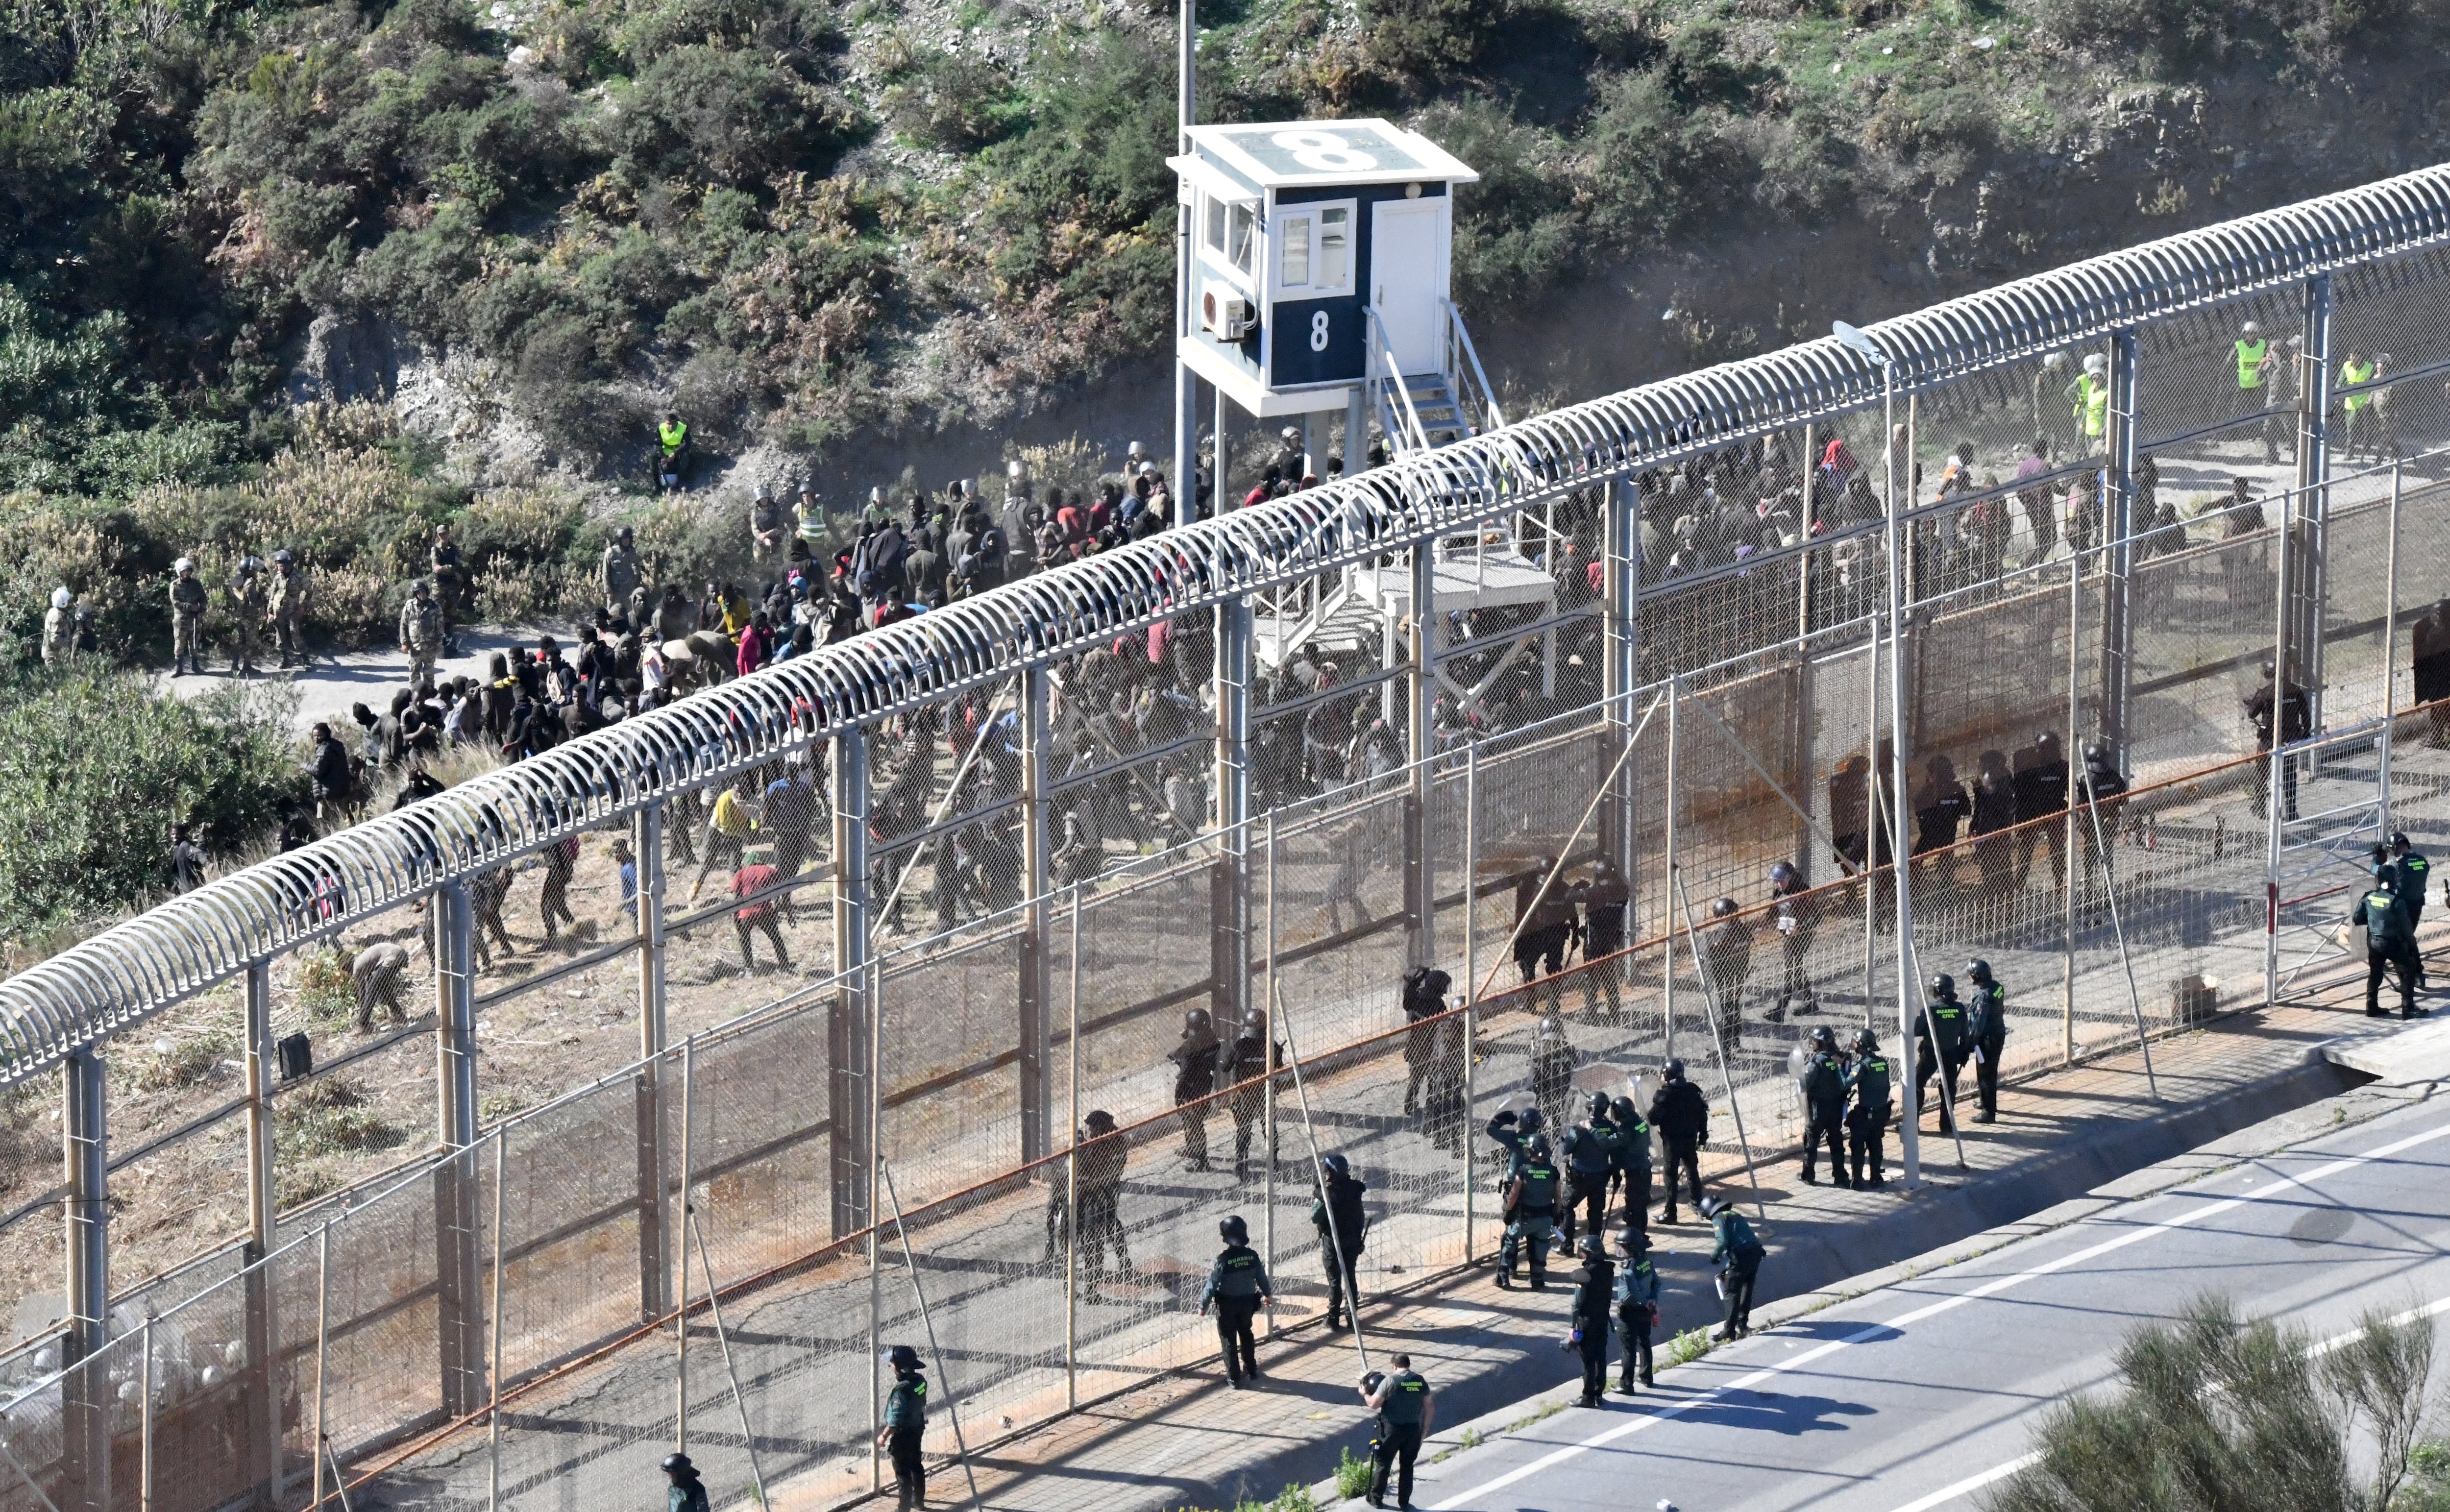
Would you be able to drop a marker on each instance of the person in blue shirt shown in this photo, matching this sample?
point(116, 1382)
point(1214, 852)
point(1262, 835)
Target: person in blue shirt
point(906, 1425)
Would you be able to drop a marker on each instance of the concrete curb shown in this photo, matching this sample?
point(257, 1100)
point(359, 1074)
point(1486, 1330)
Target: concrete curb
point(1939, 1207)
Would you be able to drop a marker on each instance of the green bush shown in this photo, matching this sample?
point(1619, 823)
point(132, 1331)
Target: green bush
point(94, 766)
point(1351, 1473)
point(956, 101)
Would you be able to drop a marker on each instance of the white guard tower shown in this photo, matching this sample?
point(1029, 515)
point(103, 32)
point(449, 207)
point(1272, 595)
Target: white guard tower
point(1319, 277)
point(1319, 282)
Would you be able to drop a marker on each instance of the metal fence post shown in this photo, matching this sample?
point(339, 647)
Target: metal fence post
point(680, 1307)
point(654, 1245)
point(1900, 816)
point(872, 1115)
point(1186, 386)
point(1036, 1027)
point(493, 1326)
point(1472, 966)
point(1267, 1087)
point(2067, 878)
point(85, 1403)
point(1230, 886)
point(2389, 652)
point(264, 1402)
point(848, 1051)
point(1667, 873)
point(1420, 889)
point(145, 1418)
point(2276, 757)
point(2118, 563)
point(2310, 540)
point(319, 1450)
point(1072, 1182)
point(1620, 653)
point(457, 1311)
point(1356, 431)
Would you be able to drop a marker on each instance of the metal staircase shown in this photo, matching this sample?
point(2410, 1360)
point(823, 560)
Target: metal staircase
point(1420, 412)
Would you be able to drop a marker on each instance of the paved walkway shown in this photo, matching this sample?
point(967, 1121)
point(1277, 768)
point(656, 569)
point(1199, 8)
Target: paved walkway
point(1185, 1442)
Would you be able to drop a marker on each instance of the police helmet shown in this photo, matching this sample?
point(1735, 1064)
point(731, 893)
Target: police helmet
point(2380, 852)
point(2251, 328)
point(1631, 1241)
point(902, 1357)
point(1100, 1120)
point(2095, 364)
point(678, 1463)
point(1866, 1042)
point(421, 588)
point(1336, 1166)
point(185, 564)
point(1530, 1121)
point(282, 558)
point(1592, 1246)
point(1710, 1207)
point(2097, 751)
point(1943, 984)
point(1673, 1071)
point(1598, 1105)
point(1978, 972)
point(624, 534)
point(765, 495)
point(2268, 670)
point(1537, 1146)
point(1824, 1038)
point(1722, 908)
point(1196, 1018)
point(62, 598)
point(1621, 1110)
point(1137, 451)
point(1783, 874)
point(2399, 841)
point(248, 566)
point(2383, 876)
point(1233, 1230)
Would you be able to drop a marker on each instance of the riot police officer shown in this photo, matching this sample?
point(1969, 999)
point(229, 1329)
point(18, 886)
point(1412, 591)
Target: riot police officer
point(1637, 1304)
point(905, 1425)
point(1405, 1411)
point(1633, 1162)
point(1552, 1065)
point(1942, 1015)
point(1824, 1105)
point(2408, 885)
point(1867, 1122)
point(1590, 1151)
point(1681, 1115)
point(288, 591)
point(1530, 1205)
point(1238, 1286)
point(1594, 1295)
point(1604, 899)
point(1336, 1212)
point(1986, 1030)
point(250, 607)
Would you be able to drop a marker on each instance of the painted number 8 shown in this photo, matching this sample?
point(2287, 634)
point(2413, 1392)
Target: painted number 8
point(1318, 331)
point(1323, 152)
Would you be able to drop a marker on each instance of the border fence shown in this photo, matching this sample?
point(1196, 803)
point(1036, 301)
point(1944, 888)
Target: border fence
point(1256, 767)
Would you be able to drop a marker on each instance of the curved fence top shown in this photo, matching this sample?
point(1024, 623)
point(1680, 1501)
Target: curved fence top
point(126, 974)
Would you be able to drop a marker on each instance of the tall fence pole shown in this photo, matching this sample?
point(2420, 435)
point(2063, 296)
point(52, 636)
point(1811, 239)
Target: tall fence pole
point(873, 1114)
point(2067, 877)
point(85, 1403)
point(2389, 657)
point(1036, 981)
point(1667, 883)
point(2311, 538)
point(1072, 1182)
point(494, 1415)
point(1899, 806)
point(1621, 584)
point(458, 1307)
point(2118, 560)
point(1471, 974)
point(1230, 876)
point(145, 1418)
point(1186, 386)
point(1267, 1087)
point(655, 1250)
point(2276, 756)
point(680, 1307)
point(1420, 888)
point(262, 1203)
point(849, 1053)
point(319, 1450)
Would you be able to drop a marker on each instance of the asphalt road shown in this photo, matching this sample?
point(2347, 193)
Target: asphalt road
point(1915, 1397)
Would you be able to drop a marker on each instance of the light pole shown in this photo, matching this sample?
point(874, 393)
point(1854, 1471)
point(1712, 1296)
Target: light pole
point(1909, 998)
point(1186, 386)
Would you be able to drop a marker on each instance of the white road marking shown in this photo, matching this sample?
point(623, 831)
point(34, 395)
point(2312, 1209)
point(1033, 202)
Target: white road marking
point(1972, 1483)
point(1644, 1421)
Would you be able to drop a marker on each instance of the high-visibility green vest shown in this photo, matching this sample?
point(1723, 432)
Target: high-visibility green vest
point(2350, 372)
point(672, 434)
point(2092, 404)
point(2249, 363)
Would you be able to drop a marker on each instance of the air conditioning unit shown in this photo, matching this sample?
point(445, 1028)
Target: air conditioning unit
point(1225, 313)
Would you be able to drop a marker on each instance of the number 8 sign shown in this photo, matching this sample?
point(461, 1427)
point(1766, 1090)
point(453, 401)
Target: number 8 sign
point(1324, 151)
